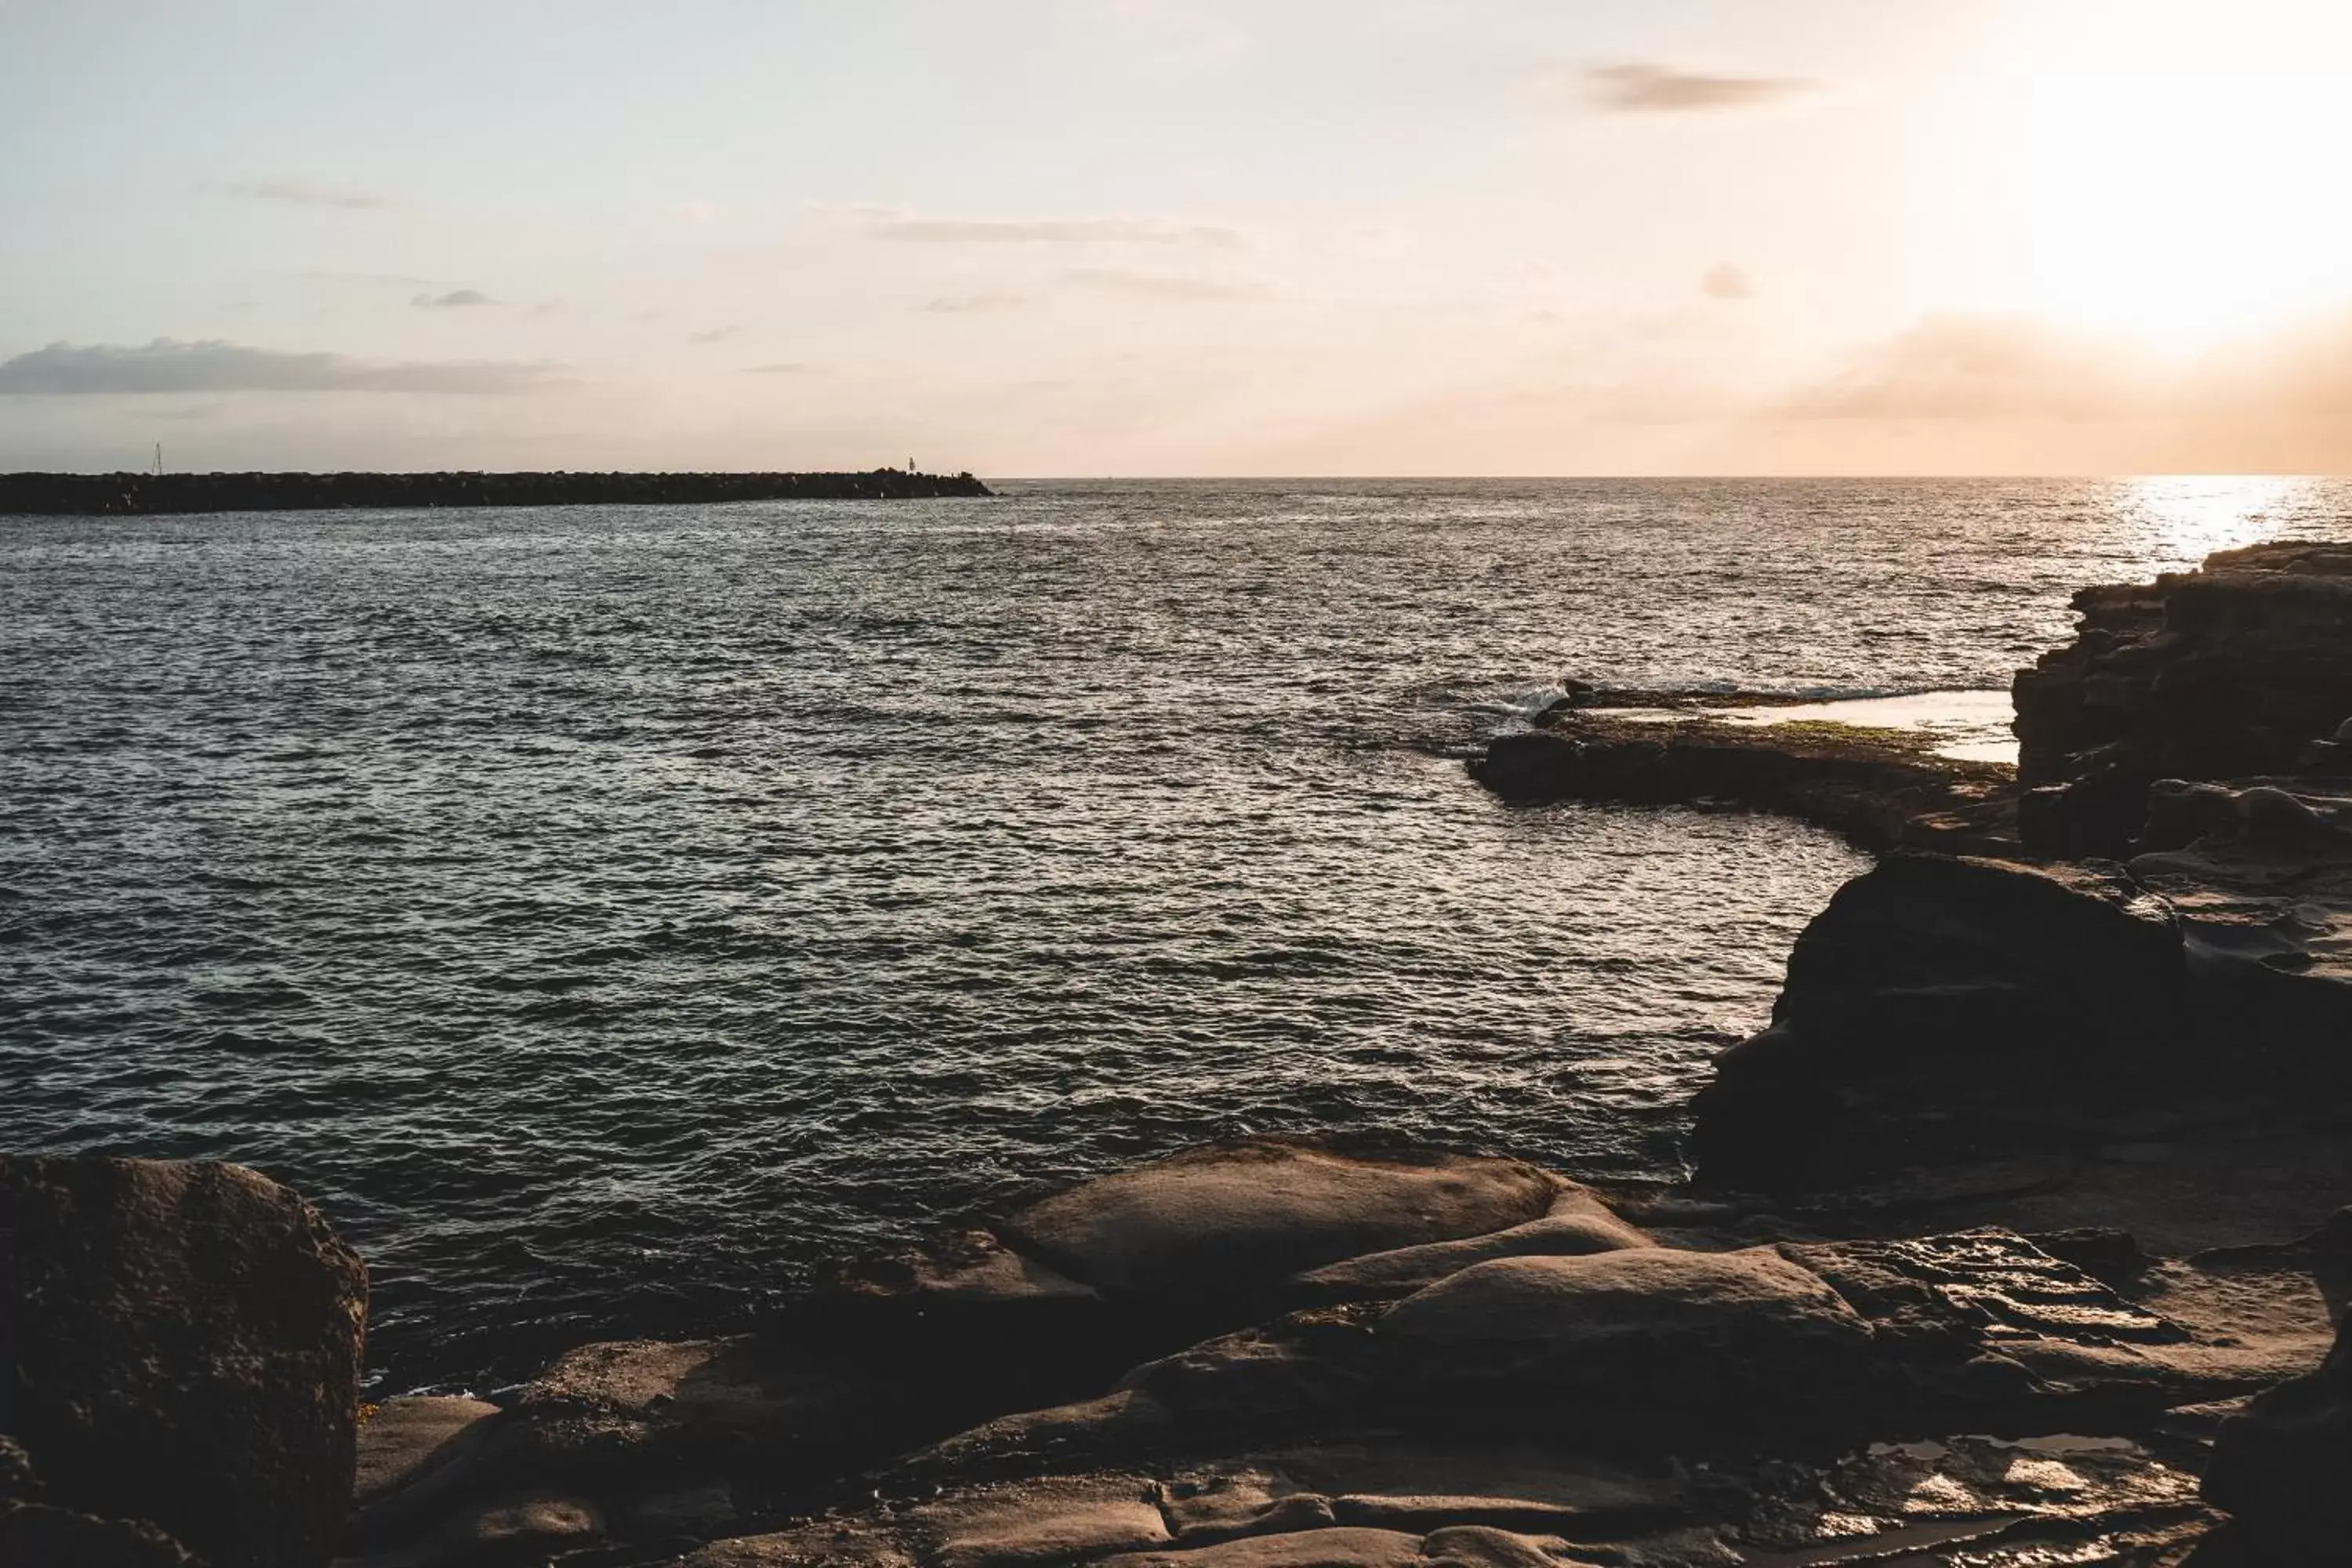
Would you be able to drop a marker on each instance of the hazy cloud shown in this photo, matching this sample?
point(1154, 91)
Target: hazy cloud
point(1725, 281)
point(1648, 88)
point(714, 334)
point(1161, 285)
point(455, 299)
point(1988, 367)
point(307, 193)
point(785, 367)
point(961, 304)
point(169, 366)
point(918, 230)
point(2017, 394)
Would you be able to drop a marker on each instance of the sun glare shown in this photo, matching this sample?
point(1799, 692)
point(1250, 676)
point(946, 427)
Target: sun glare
point(2177, 164)
point(2188, 516)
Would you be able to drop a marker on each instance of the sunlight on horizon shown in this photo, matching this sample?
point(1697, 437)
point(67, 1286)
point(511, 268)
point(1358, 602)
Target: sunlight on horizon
point(2173, 188)
point(2191, 516)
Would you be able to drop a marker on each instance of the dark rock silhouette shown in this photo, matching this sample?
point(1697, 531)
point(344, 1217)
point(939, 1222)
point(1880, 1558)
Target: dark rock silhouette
point(37, 494)
point(1932, 995)
point(182, 1348)
point(2239, 671)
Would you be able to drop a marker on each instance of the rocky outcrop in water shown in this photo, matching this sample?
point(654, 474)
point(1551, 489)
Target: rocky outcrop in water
point(180, 1346)
point(121, 495)
point(1877, 788)
point(1934, 1003)
point(2240, 670)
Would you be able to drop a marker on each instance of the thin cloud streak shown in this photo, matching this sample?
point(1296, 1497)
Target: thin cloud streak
point(170, 365)
point(455, 299)
point(964, 304)
point(1161, 285)
point(913, 230)
point(310, 194)
point(1645, 88)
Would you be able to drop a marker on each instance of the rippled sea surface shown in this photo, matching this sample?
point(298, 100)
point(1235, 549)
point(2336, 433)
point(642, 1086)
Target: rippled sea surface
point(603, 914)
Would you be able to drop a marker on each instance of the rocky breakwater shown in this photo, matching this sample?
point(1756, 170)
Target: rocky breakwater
point(121, 495)
point(1878, 788)
point(2240, 670)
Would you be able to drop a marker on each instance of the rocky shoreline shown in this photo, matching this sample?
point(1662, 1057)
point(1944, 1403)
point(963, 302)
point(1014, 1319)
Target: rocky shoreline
point(132, 495)
point(2018, 1238)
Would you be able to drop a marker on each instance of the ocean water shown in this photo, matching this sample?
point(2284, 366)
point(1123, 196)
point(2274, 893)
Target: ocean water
point(605, 914)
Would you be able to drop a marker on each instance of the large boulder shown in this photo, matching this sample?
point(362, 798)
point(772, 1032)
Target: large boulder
point(2235, 671)
point(182, 1346)
point(1932, 987)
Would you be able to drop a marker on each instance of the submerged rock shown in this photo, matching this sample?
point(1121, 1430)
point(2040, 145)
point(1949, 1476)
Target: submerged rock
point(181, 1348)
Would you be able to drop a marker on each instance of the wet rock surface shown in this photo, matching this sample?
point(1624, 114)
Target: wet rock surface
point(182, 1350)
point(1876, 788)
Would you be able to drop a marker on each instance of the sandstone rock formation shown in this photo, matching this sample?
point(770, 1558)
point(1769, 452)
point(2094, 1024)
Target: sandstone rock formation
point(1560, 1389)
point(2241, 671)
point(1232, 1223)
point(182, 1350)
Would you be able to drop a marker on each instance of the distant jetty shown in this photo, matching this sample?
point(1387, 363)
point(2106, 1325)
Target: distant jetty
point(130, 495)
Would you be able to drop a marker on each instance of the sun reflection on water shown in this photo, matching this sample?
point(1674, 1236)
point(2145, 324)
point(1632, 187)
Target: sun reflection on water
point(2191, 515)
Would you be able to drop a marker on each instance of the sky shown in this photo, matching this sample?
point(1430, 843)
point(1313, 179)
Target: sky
point(1179, 237)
